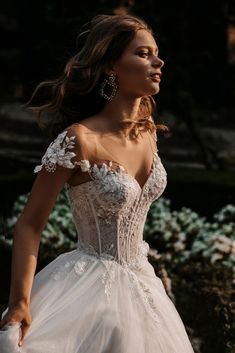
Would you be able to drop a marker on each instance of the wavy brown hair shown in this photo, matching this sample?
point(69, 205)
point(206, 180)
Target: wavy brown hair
point(74, 95)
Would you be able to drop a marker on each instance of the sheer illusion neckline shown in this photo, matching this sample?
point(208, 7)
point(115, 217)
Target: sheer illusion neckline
point(141, 188)
point(87, 166)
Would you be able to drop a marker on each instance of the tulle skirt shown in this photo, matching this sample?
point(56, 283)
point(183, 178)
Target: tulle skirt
point(83, 304)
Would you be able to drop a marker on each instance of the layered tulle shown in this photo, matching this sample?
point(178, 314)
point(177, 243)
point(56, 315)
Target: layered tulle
point(82, 304)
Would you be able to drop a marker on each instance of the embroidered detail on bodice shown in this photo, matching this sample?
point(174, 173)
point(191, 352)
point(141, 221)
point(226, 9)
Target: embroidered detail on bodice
point(111, 209)
point(109, 212)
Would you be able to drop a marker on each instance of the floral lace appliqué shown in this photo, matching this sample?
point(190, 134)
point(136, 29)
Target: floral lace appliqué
point(85, 257)
point(57, 153)
point(139, 289)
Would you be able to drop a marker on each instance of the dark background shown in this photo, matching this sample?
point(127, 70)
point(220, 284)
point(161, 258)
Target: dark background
point(196, 40)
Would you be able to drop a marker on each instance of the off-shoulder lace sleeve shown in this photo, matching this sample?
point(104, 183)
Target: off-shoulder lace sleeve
point(60, 152)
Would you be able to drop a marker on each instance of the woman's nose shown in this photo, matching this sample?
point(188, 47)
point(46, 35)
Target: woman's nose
point(158, 62)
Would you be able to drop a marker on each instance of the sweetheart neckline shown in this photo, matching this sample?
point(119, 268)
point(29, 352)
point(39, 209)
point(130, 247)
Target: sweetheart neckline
point(141, 189)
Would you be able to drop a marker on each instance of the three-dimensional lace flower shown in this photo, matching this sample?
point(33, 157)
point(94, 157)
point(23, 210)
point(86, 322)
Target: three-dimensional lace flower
point(57, 153)
point(84, 164)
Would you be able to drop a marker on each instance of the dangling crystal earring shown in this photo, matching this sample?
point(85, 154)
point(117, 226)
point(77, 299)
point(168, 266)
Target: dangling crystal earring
point(110, 85)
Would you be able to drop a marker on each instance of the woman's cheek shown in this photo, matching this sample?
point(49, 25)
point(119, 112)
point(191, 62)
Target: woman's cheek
point(134, 67)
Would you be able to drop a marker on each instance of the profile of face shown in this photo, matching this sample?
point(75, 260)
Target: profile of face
point(139, 68)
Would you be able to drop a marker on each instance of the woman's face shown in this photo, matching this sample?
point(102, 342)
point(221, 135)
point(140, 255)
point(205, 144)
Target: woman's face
point(137, 65)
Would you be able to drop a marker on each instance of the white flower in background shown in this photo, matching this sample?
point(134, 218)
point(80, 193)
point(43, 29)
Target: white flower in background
point(216, 257)
point(179, 246)
point(233, 248)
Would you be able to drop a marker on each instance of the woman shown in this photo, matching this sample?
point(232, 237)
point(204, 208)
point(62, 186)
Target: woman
point(104, 296)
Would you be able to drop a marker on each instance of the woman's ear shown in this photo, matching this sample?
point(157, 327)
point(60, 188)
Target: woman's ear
point(110, 69)
point(108, 72)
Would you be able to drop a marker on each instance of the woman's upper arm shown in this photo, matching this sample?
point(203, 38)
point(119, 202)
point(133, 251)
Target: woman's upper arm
point(58, 164)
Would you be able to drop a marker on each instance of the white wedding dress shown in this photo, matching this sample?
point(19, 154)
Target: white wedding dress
point(104, 296)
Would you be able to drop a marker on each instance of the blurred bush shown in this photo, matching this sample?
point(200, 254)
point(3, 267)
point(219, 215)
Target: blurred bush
point(59, 234)
point(200, 260)
point(183, 236)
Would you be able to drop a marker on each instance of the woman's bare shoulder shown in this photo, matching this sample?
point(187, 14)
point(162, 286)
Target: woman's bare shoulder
point(84, 126)
point(78, 130)
point(85, 133)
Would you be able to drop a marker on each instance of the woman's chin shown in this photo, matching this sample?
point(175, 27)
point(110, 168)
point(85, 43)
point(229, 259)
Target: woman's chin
point(154, 90)
point(149, 91)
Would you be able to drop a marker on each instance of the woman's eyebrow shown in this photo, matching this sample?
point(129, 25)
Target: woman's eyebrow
point(149, 47)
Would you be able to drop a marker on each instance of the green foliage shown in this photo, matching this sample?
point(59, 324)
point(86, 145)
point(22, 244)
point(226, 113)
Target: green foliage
point(183, 235)
point(199, 258)
point(59, 232)
point(205, 299)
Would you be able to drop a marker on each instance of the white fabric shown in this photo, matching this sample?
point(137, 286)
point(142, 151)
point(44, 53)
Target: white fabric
point(104, 296)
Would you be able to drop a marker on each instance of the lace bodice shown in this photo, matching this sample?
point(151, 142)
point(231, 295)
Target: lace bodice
point(110, 209)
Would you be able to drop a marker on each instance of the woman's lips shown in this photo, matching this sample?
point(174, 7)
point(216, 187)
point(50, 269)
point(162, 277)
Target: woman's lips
point(156, 77)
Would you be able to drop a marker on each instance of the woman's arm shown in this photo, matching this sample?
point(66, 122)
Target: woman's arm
point(28, 229)
point(27, 232)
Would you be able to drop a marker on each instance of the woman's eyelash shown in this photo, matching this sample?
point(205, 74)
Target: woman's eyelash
point(145, 53)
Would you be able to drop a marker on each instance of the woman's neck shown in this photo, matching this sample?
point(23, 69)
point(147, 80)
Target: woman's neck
point(120, 109)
